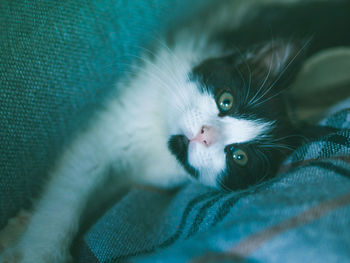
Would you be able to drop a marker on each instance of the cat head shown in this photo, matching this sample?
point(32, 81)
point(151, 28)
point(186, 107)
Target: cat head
point(231, 128)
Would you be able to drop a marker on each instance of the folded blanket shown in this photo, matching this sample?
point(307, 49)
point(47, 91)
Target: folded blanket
point(58, 60)
point(301, 215)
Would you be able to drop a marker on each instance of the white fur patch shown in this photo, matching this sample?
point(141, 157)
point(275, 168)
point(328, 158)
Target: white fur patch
point(193, 110)
point(164, 102)
point(155, 100)
point(131, 134)
point(239, 130)
point(168, 95)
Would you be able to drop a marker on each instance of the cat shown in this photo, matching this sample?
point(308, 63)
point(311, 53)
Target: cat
point(196, 108)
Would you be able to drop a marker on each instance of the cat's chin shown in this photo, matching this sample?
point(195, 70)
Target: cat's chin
point(208, 161)
point(201, 162)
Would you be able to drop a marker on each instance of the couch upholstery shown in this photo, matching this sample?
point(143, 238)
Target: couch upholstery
point(60, 59)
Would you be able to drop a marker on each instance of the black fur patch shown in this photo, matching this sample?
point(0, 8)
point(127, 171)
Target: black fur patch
point(263, 164)
point(178, 145)
point(257, 95)
point(256, 79)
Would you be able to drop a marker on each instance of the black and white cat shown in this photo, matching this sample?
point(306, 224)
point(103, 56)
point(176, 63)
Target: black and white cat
point(197, 109)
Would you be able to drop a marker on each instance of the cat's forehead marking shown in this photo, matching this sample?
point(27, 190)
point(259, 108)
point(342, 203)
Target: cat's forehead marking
point(236, 130)
point(193, 105)
point(232, 129)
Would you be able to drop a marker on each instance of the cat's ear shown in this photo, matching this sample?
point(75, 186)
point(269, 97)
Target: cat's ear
point(276, 60)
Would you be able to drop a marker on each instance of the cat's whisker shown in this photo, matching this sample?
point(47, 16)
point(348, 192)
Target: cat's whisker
point(249, 85)
point(178, 60)
point(278, 146)
point(222, 185)
point(267, 169)
point(282, 72)
point(162, 43)
point(289, 136)
point(263, 82)
point(149, 62)
point(145, 71)
point(166, 85)
point(151, 75)
point(261, 88)
point(165, 63)
point(255, 98)
point(242, 77)
point(175, 79)
point(249, 70)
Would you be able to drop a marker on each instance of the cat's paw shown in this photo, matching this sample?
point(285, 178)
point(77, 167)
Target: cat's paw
point(23, 243)
point(11, 256)
point(14, 229)
point(32, 255)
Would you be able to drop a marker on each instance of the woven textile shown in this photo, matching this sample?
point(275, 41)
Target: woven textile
point(58, 59)
point(301, 215)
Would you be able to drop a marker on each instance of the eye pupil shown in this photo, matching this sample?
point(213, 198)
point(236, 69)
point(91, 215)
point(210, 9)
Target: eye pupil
point(226, 102)
point(239, 157)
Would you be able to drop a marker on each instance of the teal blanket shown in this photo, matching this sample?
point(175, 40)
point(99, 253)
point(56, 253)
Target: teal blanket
point(302, 215)
point(58, 59)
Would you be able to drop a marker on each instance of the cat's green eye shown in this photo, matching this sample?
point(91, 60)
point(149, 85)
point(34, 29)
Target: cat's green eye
point(239, 157)
point(225, 102)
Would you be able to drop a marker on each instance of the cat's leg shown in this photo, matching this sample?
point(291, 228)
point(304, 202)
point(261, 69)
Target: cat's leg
point(54, 223)
point(14, 229)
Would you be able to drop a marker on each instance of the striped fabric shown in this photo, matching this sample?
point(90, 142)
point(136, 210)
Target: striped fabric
point(301, 215)
point(58, 59)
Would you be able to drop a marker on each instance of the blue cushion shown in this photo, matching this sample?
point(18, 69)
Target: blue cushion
point(58, 60)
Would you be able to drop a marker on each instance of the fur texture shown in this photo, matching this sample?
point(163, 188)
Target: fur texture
point(131, 137)
point(197, 108)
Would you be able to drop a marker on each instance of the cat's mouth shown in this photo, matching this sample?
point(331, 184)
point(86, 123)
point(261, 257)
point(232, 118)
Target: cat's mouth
point(201, 156)
point(178, 146)
point(182, 142)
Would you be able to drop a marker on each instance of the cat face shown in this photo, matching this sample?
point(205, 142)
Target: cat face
point(231, 128)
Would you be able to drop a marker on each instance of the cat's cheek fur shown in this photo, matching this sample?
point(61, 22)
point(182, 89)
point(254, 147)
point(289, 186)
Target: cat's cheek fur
point(189, 110)
point(240, 130)
point(208, 161)
point(196, 108)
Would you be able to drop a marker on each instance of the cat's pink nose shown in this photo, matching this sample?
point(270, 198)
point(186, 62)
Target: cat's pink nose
point(206, 136)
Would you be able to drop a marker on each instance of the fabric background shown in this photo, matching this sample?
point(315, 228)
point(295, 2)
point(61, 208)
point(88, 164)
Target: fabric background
point(302, 215)
point(57, 60)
